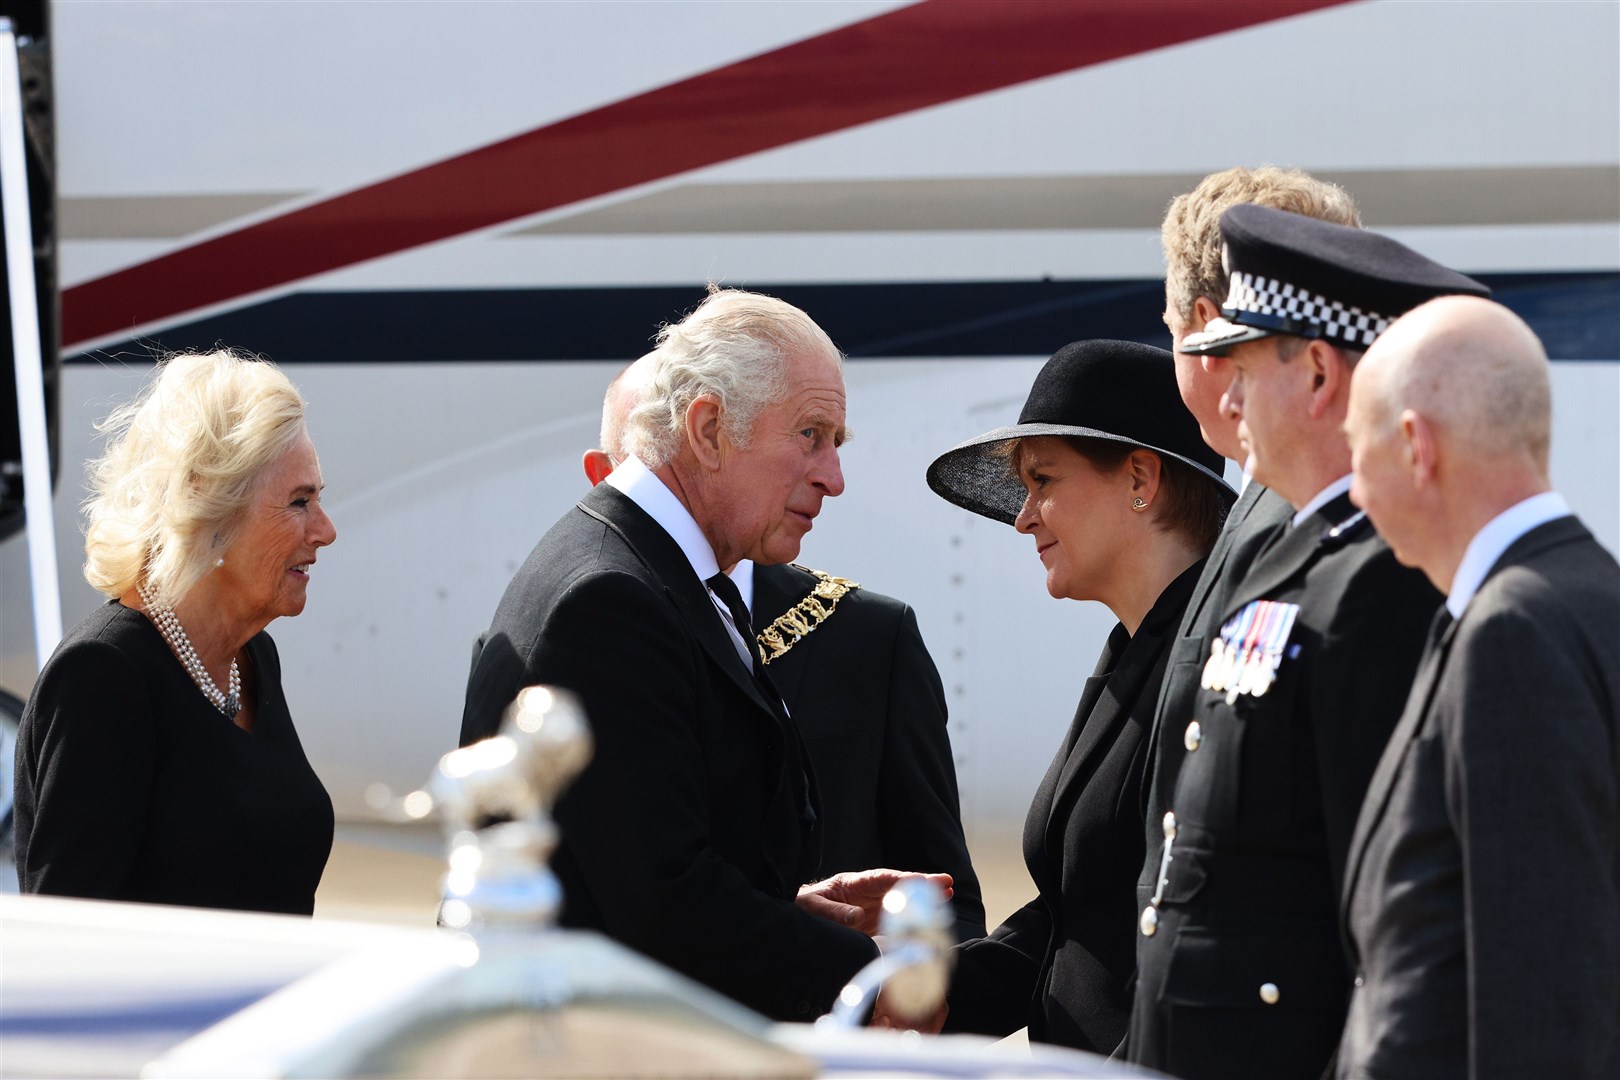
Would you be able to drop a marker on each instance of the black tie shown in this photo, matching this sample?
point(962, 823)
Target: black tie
point(731, 596)
point(1438, 627)
point(727, 591)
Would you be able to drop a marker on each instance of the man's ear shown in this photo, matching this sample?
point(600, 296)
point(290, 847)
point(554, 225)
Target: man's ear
point(1422, 448)
point(1204, 309)
point(597, 465)
point(1329, 373)
point(703, 431)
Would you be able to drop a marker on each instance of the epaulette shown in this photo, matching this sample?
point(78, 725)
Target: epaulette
point(790, 627)
point(1345, 530)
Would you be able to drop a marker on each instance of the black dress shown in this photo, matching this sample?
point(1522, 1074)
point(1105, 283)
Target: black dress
point(132, 786)
point(1063, 963)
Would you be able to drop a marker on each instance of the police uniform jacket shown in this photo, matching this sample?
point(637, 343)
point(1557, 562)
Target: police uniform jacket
point(868, 700)
point(1258, 515)
point(690, 831)
point(1484, 882)
point(1243, 974)
point(1062, 963)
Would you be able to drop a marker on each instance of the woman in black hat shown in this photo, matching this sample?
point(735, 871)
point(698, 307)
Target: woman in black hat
point(1106, 472)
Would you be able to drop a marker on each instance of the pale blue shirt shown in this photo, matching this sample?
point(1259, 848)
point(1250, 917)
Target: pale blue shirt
point(642, 486)
point(1495, 538)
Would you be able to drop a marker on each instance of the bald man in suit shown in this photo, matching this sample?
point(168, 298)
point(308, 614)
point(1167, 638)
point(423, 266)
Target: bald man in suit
point(1482, 895)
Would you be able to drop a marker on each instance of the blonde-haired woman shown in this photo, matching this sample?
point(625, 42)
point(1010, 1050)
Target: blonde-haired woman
point(156, 760)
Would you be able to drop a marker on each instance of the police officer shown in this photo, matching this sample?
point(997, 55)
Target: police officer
point(1195, 282)
point(1240, 966)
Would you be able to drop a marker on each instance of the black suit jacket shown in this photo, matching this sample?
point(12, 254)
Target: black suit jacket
point(1483, 895)
point(868, 700)
point(1062, 963)
point(690, 831)
point(1244, 975)
point(1258, 516)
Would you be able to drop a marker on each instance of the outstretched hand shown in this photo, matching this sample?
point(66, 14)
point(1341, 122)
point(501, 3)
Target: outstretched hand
point(855, 899)
point(884, 1015)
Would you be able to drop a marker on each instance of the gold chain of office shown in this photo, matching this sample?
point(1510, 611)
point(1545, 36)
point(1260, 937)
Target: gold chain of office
point(792, 625)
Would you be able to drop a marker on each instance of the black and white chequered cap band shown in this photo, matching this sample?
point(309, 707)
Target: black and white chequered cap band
point(1287, 309)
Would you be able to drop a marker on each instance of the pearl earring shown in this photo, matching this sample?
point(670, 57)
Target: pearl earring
point(219, 562)
point(1139, 504)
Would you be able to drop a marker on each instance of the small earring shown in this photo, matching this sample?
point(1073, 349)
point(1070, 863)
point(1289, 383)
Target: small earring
point(219, 562)
point(1139, 504)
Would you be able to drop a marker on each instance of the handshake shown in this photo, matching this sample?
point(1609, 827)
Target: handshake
point(908, 916)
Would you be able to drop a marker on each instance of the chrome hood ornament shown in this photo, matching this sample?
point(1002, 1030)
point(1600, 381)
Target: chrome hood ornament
point(494, 800)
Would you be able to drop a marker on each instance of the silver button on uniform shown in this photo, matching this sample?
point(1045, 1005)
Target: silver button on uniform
point(1269, 993)
point(1193, 737)
point(1150, 921)
point(1169, 824)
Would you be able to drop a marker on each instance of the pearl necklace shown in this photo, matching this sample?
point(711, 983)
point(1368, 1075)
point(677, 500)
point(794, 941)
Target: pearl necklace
point(227, 702)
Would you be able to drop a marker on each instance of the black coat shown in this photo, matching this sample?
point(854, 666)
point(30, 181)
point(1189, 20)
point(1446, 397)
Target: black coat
point(690, 831)
point(132, 786)
point(1244, 975)
point(868, 700)
point(1062, 963)
point(1258, 515)
point(1484, 882)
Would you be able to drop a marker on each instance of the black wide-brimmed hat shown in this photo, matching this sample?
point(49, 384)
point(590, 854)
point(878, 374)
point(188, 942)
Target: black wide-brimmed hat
point(1296, 275)
point(1115, 390)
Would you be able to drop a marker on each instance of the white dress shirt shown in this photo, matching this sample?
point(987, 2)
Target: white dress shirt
point(1495, 538)
point(1323, 497)
point(642, 486)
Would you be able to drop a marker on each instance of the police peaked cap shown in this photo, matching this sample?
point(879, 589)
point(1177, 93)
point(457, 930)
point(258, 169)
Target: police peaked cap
point(1115, 390)
point(1297, 275)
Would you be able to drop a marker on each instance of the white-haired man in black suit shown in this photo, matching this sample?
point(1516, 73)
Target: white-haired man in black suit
point(864, 693)
point(690, 834)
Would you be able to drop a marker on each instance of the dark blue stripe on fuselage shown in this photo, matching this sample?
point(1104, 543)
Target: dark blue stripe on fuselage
point(1577, 316)
point(184, 1016)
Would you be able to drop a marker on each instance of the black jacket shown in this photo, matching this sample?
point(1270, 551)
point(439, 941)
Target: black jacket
point(690, 831)
point(1243, 975)
point(1258, 516)
point(868, 700)
point(1483, 882)
point(1062, 963)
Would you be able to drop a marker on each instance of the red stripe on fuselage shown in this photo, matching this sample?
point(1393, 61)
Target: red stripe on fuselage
point(933, 52)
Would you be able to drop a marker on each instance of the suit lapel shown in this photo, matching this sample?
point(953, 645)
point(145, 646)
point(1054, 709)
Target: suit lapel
point(1288, 555)
point(1094, 717)
point(1044, 826)
point(661, 555)
point(1223, 548)
point(1382, 784)
point(1098, 721)
point(1430, 669)
point(1122, 672)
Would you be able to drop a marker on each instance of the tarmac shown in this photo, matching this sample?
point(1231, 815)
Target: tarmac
point(391, 873)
